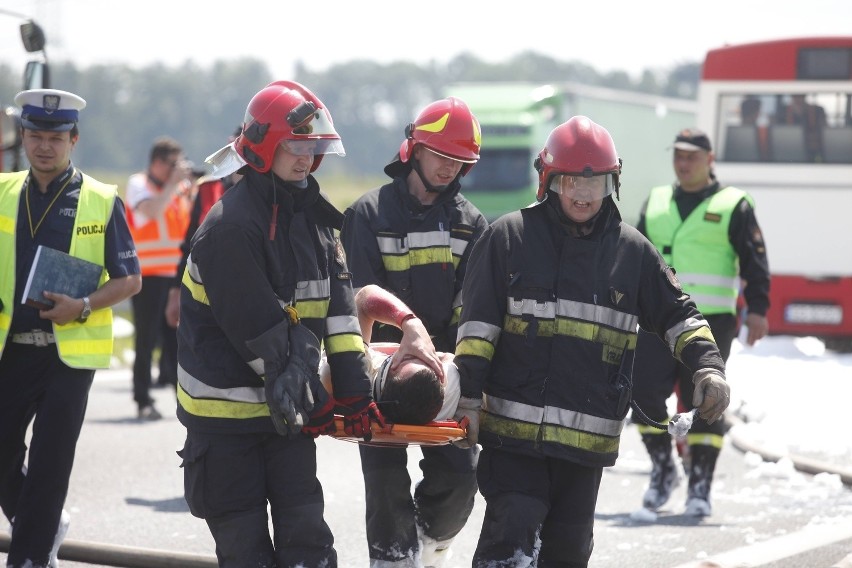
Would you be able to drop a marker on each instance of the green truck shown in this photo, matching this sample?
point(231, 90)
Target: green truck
point(516, 119)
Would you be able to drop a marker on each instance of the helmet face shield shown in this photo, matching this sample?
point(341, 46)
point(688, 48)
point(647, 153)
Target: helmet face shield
point(578, 160)
point(314, 147)
point(583, 188)
point(443, 155)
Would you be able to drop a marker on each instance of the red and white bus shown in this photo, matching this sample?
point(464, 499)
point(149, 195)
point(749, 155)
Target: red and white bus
point(780, 115)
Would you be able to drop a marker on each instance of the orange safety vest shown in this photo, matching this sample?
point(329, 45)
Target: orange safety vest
point(158, 241)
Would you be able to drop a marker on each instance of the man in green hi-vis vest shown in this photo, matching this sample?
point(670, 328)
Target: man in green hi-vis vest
point(48, 357)
point(709, 234)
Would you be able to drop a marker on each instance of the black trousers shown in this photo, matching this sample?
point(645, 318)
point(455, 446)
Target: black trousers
point(441, 505)
point(35, 386)
point(149, 320)
point(229, 479)
point(530, 499)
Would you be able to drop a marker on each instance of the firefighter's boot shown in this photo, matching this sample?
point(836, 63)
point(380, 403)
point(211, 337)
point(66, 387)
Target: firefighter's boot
point(701, 467)
point(666, 470)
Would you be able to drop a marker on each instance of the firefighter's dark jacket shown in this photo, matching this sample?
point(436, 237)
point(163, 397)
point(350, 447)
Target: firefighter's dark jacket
point(418, 253)
point(237, 280)
point(548, 330)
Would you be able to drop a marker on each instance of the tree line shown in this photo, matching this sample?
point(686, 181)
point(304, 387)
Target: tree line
point(369, 102)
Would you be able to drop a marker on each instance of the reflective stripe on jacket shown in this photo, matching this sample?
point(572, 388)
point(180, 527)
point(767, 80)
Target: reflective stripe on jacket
point(698, 247)
point(81, 345)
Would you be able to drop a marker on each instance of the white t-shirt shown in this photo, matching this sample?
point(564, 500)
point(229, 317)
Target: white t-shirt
point(136, 192)
point(452, 388)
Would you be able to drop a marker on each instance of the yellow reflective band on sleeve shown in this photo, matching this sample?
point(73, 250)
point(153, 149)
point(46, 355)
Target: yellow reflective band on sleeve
point(312, 308)
point(684, 338)
point(211, 408)
point(549, 433)
point(712, 440)
point(199, 294)
point(344, 343)
point(476, 347)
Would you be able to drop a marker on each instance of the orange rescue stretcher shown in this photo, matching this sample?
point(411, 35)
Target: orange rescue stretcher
point(433, 434)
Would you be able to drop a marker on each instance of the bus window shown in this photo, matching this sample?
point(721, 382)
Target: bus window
point(785, 127)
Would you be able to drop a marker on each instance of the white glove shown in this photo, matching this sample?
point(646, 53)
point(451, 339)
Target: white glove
point(468, 408)
point(712, 394)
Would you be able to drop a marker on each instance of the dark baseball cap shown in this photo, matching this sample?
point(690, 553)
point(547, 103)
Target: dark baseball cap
point(692, 140)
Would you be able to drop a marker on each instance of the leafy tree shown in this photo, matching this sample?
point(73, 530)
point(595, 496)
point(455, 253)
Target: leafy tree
point(370, 102)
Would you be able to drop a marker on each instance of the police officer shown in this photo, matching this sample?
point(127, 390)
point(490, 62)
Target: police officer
point(553, 296)
point(265, 281)
point(48, 357)
point(414, 237)
point(709, 234)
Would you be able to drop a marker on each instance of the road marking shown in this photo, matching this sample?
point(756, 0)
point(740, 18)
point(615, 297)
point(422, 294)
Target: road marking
point(762, 553)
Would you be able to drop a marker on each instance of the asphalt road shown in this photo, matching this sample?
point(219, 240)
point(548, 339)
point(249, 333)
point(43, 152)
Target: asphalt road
point(127, 506)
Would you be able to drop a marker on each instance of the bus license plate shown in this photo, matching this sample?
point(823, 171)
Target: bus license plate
point(814, 313)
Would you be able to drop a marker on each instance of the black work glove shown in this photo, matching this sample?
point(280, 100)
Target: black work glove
point(358, 412)
point(289, 394)
point(290, 353)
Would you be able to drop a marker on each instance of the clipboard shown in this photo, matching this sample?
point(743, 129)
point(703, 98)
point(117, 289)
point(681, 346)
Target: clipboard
point(436, 433)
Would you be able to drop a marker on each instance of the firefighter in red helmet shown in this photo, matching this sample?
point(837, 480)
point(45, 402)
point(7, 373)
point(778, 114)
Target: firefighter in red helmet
point(413, 236)
point(265, 282)
point(553, 297)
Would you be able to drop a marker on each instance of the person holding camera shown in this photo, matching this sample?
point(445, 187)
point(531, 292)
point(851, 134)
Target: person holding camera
point(158, 202)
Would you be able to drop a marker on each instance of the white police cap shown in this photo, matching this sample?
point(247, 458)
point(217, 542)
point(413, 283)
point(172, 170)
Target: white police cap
point(49, 109)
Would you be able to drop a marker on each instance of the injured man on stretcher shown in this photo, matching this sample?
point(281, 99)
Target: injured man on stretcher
point(412, 383)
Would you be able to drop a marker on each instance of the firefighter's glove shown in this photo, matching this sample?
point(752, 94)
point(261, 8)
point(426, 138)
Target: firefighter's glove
point(358, 412)
point(712, 394)
point(290, 354)
point(467, 415)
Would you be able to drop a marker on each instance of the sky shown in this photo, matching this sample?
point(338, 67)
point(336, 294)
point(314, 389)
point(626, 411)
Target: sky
point(608, 35)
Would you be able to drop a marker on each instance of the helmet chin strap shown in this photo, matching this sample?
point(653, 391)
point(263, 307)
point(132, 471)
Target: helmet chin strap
point(415, 165)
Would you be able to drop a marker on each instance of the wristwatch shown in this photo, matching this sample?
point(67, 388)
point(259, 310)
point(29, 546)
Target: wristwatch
point(87, 310)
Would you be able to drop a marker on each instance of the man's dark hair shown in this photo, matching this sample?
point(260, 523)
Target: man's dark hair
point(416, 399)
point(163, 148)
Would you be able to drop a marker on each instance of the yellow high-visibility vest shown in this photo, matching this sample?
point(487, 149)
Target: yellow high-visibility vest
point(81, 345)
